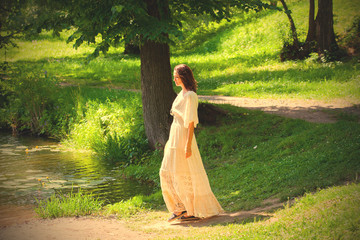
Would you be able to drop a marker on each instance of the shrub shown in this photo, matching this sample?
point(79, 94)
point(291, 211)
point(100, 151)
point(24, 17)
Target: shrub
point(351, 39)
point(31, 99)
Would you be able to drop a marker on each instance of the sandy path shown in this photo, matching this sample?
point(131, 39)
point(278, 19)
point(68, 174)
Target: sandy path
point(23, 225)
point(70, 229)
point(308, 110)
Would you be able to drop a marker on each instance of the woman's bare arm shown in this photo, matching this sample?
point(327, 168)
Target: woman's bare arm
point(189, 139)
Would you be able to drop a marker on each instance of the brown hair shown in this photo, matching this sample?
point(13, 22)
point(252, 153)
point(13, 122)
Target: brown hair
point(186, 76)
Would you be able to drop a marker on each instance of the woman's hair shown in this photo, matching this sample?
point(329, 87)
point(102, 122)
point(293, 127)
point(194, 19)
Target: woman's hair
point(186, 76)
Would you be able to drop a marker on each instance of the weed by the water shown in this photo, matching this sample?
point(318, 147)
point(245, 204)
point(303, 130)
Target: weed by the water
point(68, 205)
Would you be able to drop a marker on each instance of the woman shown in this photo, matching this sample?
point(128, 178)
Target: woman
point(184, 183)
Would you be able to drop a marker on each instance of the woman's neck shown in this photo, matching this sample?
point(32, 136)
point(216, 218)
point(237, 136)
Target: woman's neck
point(184, 90)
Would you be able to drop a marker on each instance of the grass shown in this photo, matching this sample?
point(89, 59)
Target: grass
point(71, 205)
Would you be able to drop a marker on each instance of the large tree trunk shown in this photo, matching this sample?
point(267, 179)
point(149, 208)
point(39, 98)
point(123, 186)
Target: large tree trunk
point(311, 36)
point(157, 91)
point(156, 84)
point(325, 35)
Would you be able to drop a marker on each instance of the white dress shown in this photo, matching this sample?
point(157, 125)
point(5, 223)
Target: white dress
point(184, 183)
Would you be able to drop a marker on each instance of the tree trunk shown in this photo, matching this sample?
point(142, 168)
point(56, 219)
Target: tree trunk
point(292, 25)
point(311, 36)
point(325, 35)
point(156, 84)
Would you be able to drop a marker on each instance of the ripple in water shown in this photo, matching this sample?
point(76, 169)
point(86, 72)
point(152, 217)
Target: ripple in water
point(34, 168)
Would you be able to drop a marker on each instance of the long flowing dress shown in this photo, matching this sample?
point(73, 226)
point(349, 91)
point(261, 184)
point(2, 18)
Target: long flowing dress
point(184, 183)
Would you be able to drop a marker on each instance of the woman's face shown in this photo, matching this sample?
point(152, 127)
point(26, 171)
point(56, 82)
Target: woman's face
point(177, 79)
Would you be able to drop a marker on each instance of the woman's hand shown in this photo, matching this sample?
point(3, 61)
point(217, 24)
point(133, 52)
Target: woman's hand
point(189, 139)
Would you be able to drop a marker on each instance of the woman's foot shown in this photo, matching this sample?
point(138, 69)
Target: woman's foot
point(189, 218)
point(175, 216)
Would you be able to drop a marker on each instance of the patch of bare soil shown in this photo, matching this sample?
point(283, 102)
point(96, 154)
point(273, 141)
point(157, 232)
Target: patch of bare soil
point(308, 110)
point(69, 229)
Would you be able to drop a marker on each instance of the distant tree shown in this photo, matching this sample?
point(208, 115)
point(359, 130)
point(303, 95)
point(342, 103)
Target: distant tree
point(325, 35)
point(311, 36)
point(109, 22)
point(321, 35)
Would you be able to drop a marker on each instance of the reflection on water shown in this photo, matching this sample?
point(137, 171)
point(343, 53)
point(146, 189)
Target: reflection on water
point(33, 168)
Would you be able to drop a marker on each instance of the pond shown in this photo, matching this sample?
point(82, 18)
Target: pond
point(34, 168)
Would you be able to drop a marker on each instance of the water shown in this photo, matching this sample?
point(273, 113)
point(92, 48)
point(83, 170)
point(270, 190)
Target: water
point(34, 168)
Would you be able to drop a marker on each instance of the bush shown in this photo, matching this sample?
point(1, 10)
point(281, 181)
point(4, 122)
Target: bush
point(351, 40)
point(290, 52)
point(31, 101)
point(111, 124)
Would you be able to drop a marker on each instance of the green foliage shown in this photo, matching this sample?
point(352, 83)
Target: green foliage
point(32, 99)
point(351, 38)
point(68, 205)
point(125, 208)
point(105, 121)
point(111, 124)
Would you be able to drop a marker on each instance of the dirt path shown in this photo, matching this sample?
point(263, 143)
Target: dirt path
point(20, 223)
point(70, 229)
point(308, 110)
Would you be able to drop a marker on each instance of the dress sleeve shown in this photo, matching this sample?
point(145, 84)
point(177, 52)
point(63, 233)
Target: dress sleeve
point(191, 110)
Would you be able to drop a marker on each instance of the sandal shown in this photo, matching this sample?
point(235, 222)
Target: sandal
point(174, 216)
point(189, 218)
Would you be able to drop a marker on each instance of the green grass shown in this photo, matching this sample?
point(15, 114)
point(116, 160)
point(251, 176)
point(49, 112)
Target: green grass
point(68, 205)
point(237, 58)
